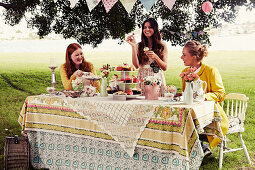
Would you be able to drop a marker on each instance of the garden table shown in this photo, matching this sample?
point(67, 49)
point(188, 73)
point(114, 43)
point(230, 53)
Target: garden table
point(102, 133)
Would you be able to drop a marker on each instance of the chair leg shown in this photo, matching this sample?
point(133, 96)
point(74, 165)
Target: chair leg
point(244, 148)
point(221, 154)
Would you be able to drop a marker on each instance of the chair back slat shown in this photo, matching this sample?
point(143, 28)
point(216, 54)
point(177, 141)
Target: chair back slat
point(236, 109)
point(232, 107)
point(236, 105)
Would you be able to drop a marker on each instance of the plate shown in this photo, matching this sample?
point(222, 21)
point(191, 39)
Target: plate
point(73, 94)
point(92, 79)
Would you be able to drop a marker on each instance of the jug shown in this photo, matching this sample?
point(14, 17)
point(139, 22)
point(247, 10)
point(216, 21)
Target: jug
point(199, 91)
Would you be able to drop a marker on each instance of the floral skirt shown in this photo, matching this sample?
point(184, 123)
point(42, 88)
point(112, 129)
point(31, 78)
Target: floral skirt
point(147, 71)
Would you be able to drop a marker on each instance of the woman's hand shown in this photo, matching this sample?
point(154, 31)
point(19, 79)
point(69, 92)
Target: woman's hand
point(78, 73)
point(131, 40)
point(152, 55)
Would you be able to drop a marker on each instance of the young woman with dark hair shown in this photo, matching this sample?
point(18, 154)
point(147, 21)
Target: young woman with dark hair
point(149, 55)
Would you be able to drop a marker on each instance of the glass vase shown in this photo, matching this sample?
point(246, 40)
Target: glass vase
point(188, 93)
point(103, 92)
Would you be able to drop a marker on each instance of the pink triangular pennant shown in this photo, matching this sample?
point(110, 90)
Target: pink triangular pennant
point(128, 4)
point(108, 4)
point(169, 3)
point(92, 4)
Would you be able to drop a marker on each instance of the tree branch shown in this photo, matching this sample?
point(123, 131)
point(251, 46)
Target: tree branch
point(8, 6)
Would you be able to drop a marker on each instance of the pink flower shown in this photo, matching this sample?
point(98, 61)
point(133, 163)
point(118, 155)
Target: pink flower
point(101, 69)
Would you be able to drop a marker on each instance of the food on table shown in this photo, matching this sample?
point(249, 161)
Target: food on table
point(120, 93)
point(135, 79)
point(125, 67)
point(146, 49)
point(127, 79)
point(136, 91)
point(119, 68)
point(129, 92)
point(90, 75)
point(132, 68)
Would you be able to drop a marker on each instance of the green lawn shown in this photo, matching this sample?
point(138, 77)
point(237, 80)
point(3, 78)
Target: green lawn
point(24, 74)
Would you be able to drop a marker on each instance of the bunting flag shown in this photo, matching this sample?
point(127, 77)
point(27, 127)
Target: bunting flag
point(73, 3)
point(92, 4)
point(108, 4)
point(148, 4)
point(128, 4)
point(169, 3)
point(55, 1)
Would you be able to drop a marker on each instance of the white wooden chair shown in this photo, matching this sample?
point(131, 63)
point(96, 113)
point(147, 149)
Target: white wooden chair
point(235, 110)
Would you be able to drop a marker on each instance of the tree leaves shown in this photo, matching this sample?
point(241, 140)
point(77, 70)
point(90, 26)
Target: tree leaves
point(180, 24)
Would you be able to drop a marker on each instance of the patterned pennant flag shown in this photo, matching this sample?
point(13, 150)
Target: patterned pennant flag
point(148, 4)
point(73, 2)
point(92, 4)
point(108, 4)
point(128, 4)
point(195, 34)
point(169, 3)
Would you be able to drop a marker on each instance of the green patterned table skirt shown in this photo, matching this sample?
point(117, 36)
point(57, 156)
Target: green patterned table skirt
point(60, 151)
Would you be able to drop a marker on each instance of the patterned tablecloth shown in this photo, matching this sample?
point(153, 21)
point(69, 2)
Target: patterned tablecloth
point(101, 133)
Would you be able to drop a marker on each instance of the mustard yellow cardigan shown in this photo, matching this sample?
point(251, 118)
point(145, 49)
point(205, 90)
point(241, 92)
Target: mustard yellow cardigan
point(67, 82)
point(215, 92)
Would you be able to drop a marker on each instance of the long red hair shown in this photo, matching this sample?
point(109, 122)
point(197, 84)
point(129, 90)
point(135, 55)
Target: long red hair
point(70, 66)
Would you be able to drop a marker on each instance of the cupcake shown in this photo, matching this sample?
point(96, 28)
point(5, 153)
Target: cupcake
point(125, 67)
point(129, 92)
point(135, 91)
point(135, 79)
point(119, 68)
point(127, 79)
point(146, 49)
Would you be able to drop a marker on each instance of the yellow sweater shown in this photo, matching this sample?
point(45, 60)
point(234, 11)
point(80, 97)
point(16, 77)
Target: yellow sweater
point(67, 82)
point(215, 92)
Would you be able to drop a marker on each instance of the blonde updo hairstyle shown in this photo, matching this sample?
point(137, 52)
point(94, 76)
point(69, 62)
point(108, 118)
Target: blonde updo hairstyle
point(197, 49)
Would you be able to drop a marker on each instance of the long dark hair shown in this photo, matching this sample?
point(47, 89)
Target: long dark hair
point(157, 45)
point(70, 65)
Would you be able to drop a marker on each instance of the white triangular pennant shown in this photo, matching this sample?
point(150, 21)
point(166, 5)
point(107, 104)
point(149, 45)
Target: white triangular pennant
point(148, 4)
point(108, 4)
point(73, 3)
point(55, 1)
point(92, 4)
point(128, 4)
point(169, 3)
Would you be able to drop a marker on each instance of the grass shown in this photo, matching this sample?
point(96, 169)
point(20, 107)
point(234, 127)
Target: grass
point(24, 74)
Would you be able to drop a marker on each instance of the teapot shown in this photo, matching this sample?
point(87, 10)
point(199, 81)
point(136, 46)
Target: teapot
point(198, 91)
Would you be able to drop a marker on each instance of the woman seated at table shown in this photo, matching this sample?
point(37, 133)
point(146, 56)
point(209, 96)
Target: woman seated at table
point(149, 55)
point(192, 56)
point(75, 66)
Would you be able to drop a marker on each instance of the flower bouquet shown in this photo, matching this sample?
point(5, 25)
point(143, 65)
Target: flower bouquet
point(152, 87)
point(152, 81)
point(189, 76)
point(105, 70)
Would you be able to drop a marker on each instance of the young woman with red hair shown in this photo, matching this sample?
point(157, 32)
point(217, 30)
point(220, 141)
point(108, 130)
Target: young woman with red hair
point(75, 66)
